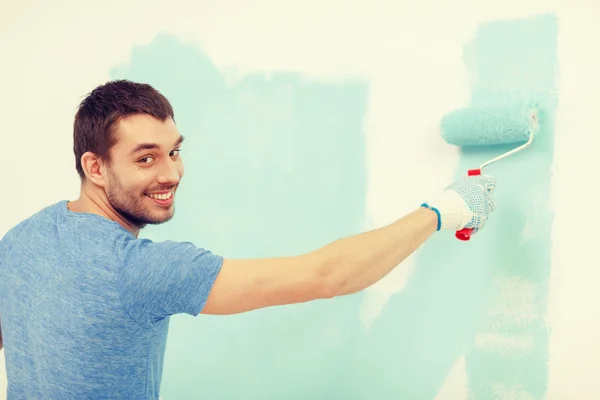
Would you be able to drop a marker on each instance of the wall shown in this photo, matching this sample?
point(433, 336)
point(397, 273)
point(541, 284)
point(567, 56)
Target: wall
point(304, 123)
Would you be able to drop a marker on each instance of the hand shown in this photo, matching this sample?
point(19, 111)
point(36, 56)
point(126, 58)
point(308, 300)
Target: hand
point(466, 203)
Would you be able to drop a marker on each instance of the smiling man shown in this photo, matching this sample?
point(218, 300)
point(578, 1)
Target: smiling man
point(85, 303)
point(138, 185)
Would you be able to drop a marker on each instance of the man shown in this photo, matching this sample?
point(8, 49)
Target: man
point(85, 303)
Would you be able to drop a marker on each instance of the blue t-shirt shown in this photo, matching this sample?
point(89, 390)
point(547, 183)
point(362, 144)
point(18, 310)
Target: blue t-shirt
point(85, 305)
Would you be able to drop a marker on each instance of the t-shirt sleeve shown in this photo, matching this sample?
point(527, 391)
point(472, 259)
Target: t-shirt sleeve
point(159, 279)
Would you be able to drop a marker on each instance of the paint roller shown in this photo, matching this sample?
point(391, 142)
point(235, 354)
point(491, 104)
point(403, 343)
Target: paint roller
point(489, 126)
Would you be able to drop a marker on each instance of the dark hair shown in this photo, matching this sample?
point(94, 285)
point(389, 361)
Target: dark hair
point(103, 108)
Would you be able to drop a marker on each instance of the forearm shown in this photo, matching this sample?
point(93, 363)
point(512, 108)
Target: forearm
point(342, 267)
point(355, 263)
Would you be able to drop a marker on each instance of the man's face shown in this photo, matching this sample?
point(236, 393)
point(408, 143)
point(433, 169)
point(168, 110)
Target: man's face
point(145, 170)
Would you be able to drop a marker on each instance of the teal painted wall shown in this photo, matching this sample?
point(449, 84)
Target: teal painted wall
point(510, 62)
point(276, 165)
point(485, 299)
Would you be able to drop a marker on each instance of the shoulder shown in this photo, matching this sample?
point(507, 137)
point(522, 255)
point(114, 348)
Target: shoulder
point(46, 214)
point(19, 232)
point(15, 232)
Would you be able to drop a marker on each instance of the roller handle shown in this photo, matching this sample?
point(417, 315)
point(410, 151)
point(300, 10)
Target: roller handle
point(465, 233)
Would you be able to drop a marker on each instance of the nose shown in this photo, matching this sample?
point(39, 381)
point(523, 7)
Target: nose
point(169, 174)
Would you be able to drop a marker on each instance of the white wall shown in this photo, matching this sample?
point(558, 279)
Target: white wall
point(52, 55)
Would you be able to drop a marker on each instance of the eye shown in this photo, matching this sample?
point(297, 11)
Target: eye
point(175, 152)
point(146, 160)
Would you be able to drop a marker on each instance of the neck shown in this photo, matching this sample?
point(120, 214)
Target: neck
point(94, 201)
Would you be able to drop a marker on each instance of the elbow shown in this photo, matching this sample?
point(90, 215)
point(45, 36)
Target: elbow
point(329, 279)
point(328, 288)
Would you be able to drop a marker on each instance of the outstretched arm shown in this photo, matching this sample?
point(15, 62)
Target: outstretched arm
point(345, 266)
point(350, 264)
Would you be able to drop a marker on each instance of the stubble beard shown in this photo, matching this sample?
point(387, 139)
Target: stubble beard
point(135, 208)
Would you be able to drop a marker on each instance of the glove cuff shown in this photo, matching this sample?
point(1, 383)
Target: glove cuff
point(453, 212)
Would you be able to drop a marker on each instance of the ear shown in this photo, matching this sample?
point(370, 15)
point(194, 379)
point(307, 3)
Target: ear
point(93, 168)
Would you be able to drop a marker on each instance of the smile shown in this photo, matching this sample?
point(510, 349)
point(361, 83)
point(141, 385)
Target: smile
point(162, 199)
point(161, 196)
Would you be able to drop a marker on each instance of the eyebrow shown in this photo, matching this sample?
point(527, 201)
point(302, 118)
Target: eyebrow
point(151, 146)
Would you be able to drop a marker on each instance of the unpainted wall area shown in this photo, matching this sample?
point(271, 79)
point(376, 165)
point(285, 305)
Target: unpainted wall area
point(308, 126)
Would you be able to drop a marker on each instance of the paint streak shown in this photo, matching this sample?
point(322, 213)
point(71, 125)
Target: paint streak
point(450, 305)
point(515, 61)
point(274, 166)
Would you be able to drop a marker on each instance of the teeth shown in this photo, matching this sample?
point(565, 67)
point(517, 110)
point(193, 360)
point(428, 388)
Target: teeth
point(164, 196)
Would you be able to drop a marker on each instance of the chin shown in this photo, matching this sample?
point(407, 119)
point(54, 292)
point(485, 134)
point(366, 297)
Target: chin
point(160, 218)
point(150, 217)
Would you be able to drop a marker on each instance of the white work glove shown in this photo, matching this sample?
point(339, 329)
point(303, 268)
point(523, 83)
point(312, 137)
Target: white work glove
point(466, 203)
